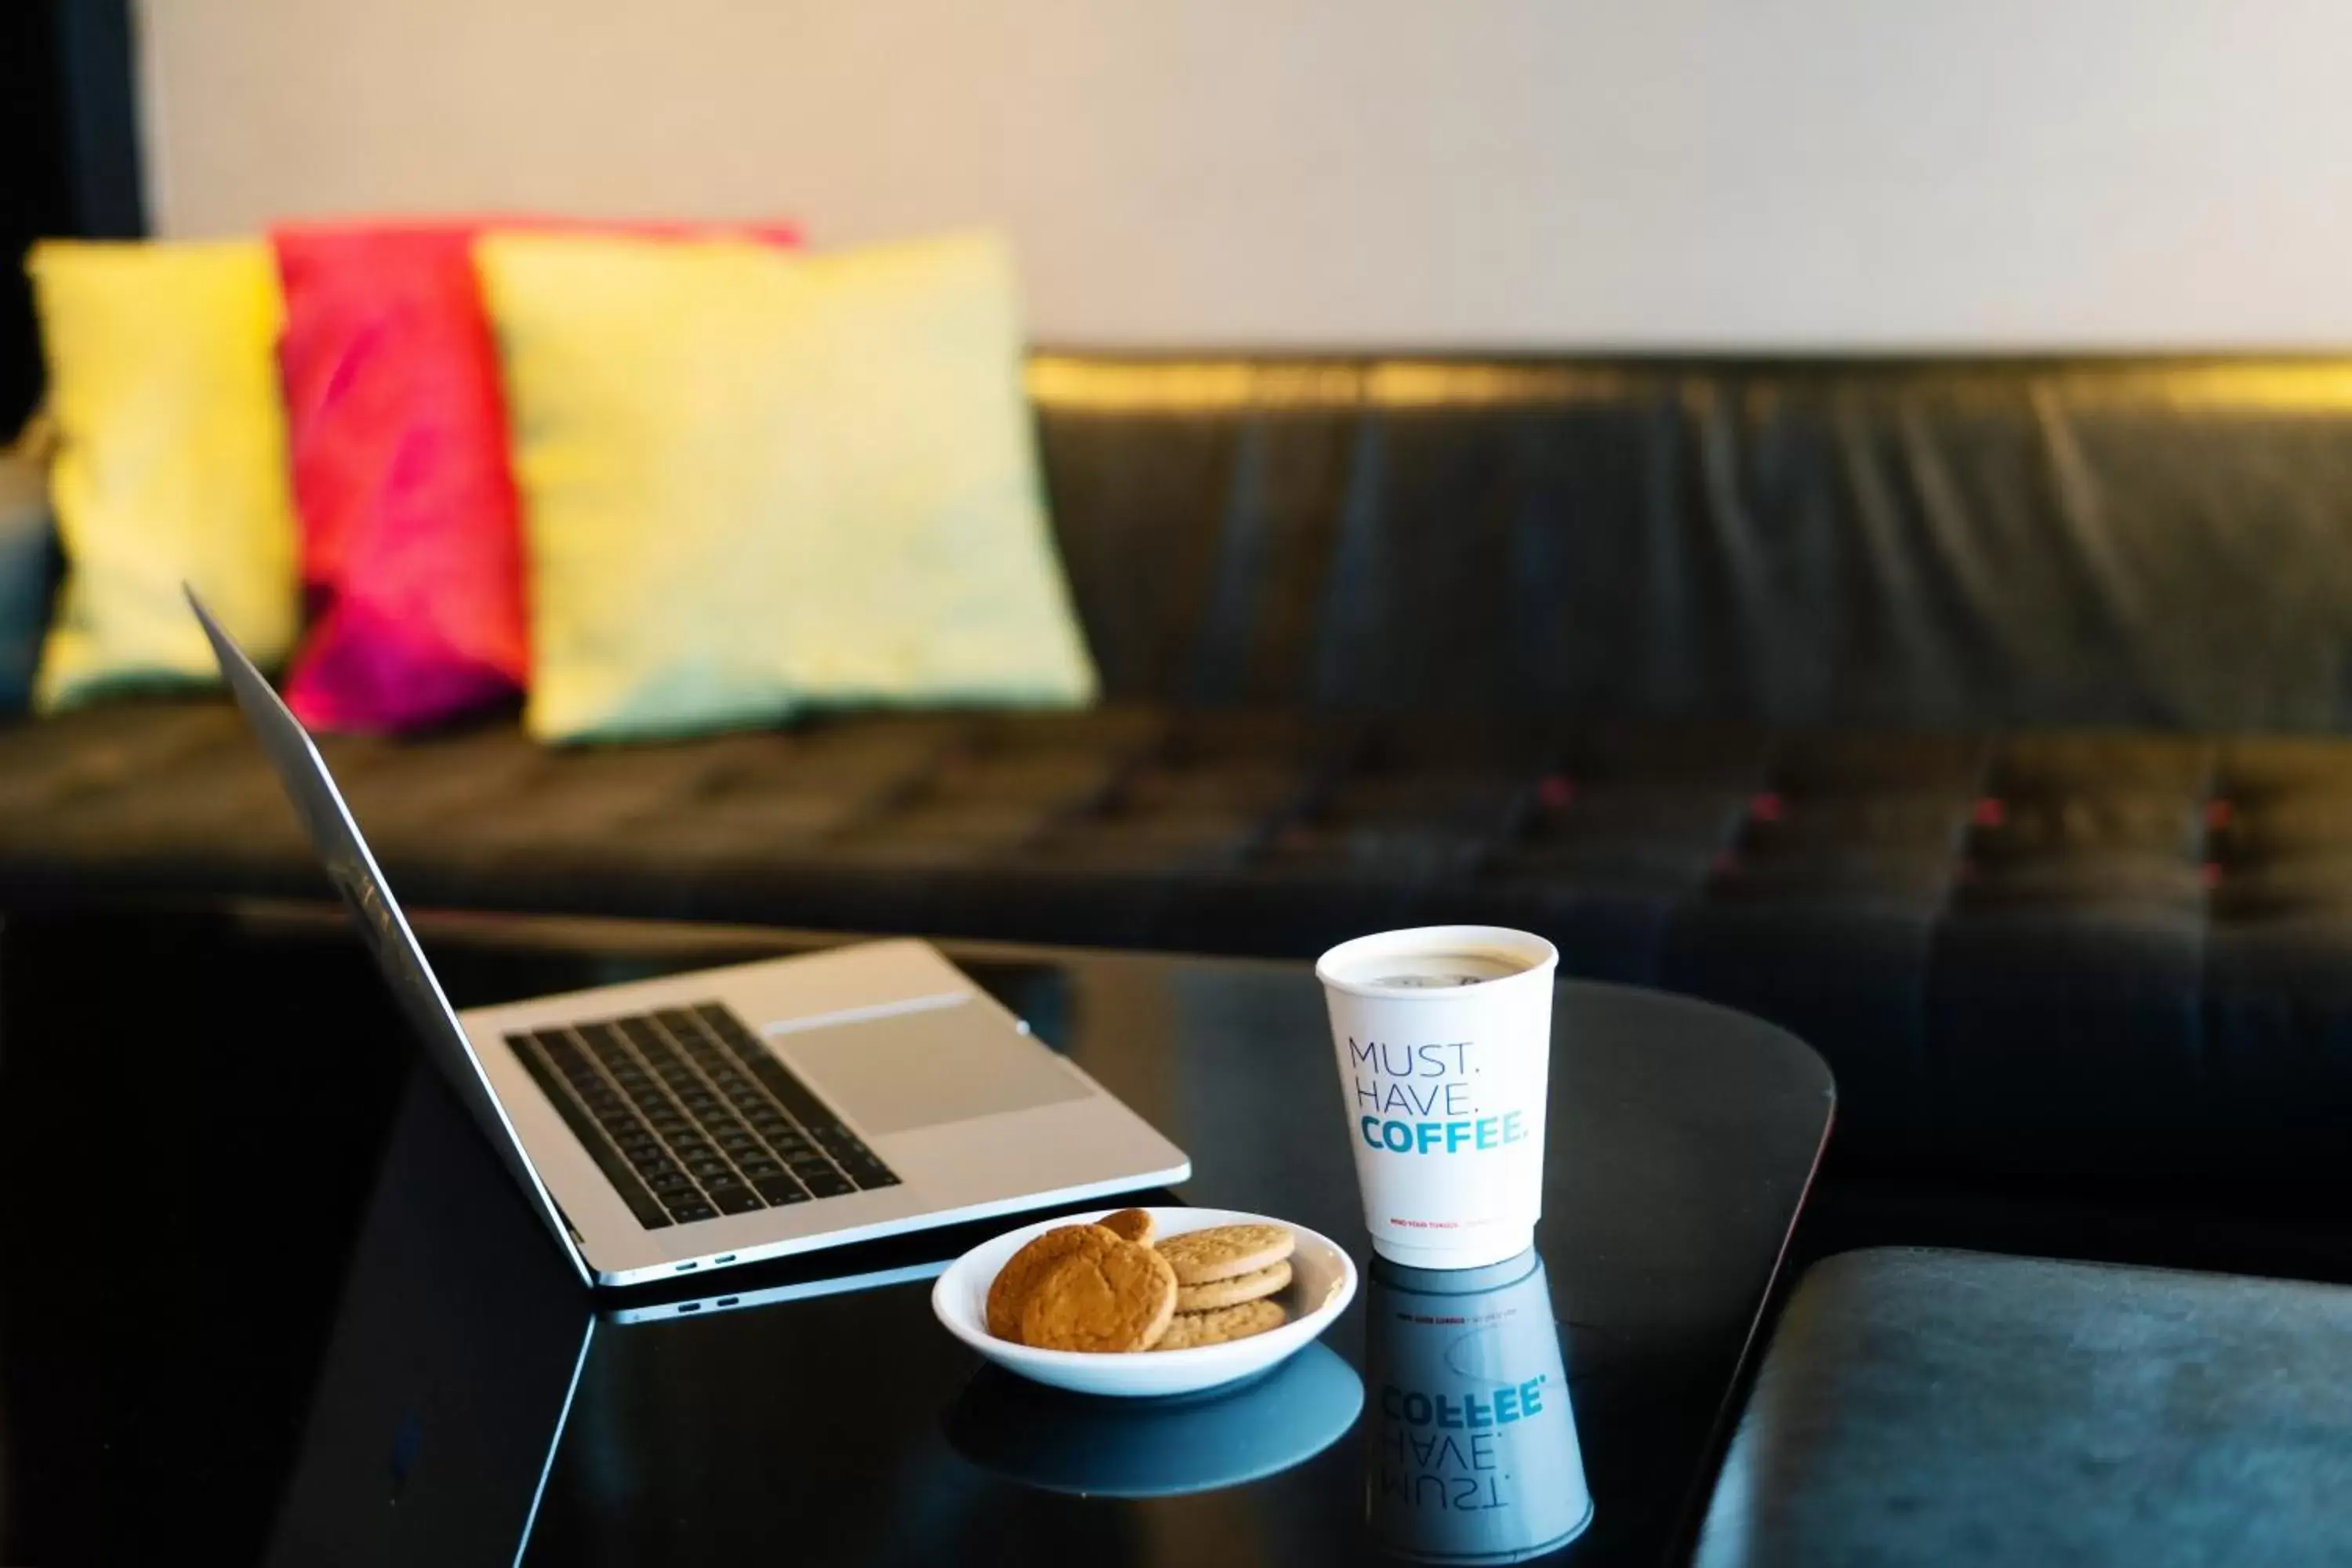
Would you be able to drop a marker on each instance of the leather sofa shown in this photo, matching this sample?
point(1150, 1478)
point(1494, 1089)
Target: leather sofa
point(1986, 723)
point(1923, 1408)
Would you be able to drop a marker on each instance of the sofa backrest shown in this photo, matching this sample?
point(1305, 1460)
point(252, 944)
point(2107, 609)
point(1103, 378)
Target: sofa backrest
point(2152, 543)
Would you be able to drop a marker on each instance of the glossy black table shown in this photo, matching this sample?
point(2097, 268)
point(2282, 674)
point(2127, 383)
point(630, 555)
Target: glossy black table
point(461, 1399)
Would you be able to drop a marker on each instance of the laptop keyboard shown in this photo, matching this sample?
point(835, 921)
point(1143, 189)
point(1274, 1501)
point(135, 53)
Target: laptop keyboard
point(691, 1117)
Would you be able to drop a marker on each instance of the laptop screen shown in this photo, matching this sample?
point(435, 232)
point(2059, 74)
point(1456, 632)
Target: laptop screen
point(348, 864)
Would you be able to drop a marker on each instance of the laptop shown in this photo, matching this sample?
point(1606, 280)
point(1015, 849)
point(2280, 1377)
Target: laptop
point(703, 1121)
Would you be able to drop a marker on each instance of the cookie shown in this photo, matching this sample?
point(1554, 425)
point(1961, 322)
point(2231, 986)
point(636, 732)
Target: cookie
point(1130, 1225)
point(1191, 1330)
point(1014, 1282)
point(1222, 1251)
point(1118, 1299)
point(1231, 1292)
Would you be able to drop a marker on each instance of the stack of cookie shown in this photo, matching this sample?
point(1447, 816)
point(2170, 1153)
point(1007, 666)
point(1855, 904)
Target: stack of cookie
point(1105, 1287)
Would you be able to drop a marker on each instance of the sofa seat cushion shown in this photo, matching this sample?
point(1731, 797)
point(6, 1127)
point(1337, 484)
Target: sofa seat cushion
point(1923, 1407)
point(2030, 952)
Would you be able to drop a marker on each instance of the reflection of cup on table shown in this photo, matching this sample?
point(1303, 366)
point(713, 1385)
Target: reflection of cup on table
point(1444, 1037)
point(1473, 1454)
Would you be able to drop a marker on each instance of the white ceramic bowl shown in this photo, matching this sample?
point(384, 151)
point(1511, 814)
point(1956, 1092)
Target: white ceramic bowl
point(1322, 1283)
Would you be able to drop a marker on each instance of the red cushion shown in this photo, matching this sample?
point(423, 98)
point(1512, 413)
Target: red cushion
point(411, 549)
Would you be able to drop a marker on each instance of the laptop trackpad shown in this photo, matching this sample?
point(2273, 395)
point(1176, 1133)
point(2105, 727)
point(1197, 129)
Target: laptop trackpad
point(917, 1069)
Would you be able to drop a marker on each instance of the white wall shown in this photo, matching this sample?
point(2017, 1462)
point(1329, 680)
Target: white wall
point(1437, 173)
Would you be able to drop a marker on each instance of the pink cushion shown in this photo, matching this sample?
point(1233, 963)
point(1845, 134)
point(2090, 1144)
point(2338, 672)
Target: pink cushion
point(411, 549)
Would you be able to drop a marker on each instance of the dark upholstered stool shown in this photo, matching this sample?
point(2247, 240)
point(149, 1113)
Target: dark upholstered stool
point(1947, 1407)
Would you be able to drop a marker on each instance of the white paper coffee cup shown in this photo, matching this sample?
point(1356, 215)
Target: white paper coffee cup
point(1443, 1041)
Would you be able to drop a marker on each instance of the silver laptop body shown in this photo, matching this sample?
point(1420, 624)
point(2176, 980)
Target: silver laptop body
point(836, 1097)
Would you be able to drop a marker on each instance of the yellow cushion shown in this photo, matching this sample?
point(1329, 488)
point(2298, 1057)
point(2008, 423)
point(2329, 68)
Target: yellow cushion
point(753, 481)
point(170, 461)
